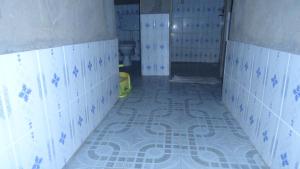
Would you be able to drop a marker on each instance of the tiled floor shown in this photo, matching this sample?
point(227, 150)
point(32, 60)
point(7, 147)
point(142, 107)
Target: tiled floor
point(168, 126)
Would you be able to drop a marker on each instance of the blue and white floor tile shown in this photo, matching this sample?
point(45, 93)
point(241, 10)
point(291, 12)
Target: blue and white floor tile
point(164, 125)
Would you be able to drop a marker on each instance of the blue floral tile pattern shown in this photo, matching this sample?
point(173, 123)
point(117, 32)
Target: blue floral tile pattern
point(25, 93)
point(75, 71)
point(155, 42)
point(275, 80)
point(62, 138)
point(291, 106)
point(258, 72)
point(296, 92)
point(260, 63)
point(37, 163)
point(286, 154)
point(55, 80)
point(273, 102)
point(284, 159)
point(43, 103)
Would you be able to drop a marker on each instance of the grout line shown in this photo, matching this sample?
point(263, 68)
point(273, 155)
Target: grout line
point(270, 110)
point(264, 85)
point(13, 143)
point(10, 133)
point(282, 102)
point(298, 133)
point(70, 118)
point(45, 108)
point(263, 95)
point(250, 80)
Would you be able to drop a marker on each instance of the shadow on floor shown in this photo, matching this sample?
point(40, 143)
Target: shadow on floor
point(195, 69)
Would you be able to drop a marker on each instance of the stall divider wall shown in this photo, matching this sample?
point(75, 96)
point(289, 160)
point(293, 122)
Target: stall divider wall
point(155, 44)
point(52, 99)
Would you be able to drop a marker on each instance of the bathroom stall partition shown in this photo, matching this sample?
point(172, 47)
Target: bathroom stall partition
point(155, 44)
point(262, 89)
point(51, 99)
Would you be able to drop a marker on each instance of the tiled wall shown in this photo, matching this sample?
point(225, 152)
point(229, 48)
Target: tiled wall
point(262, 90)
point(128, 25)
point(51, 99)
point(155, 44)
point(196, 30)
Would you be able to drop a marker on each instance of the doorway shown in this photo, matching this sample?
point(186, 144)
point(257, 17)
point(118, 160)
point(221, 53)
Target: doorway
point(195, 34)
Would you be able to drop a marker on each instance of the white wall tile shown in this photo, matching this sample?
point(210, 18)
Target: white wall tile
point(267, 133)
point(43, 100)
point(155, 44)
point(291, 106)
point(259, 71)
point(4, 129)
point(25, 113)
point(275, 80)
point(54, 73)
point(7, 159)
point(75, 63)
point(287, 150)
point(252, 118)
point(30, 153)
point(272, 118)
point(241, 104)
point(246, 67)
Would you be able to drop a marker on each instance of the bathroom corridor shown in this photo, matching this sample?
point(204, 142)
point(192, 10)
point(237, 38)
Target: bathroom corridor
point(215, 84)
point(164, 125)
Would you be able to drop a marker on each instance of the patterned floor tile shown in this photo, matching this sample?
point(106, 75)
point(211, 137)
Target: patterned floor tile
point(163, 125)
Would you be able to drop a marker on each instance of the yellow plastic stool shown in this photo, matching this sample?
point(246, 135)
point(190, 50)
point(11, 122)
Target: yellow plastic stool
point(125, 84)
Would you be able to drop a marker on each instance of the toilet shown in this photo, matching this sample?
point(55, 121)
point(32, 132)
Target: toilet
point(126, 49)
